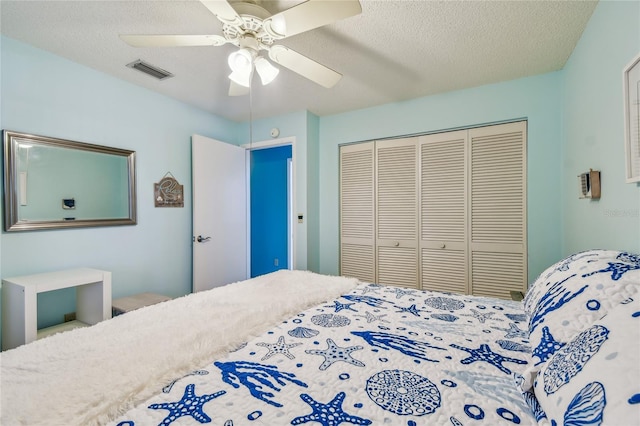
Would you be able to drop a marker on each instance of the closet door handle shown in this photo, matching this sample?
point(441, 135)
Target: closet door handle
point(442, 245)
point(397, 244)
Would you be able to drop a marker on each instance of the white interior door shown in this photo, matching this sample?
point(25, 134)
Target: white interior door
point(219, 213)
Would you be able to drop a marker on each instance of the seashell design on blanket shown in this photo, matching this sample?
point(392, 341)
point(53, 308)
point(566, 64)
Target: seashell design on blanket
point(330, 320)
point(303, 332)
point(587, 406)
point(444, 317)
point(444, 303)
point(403, 392)
point(570, 359)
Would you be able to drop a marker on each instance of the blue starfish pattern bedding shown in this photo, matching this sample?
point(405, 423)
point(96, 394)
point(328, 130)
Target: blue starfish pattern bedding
point(376, 356)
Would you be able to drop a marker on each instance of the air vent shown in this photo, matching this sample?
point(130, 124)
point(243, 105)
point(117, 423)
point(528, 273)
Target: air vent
point(149, 69)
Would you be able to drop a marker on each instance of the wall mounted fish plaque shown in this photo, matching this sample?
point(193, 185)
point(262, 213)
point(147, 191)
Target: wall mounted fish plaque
point(168, 192)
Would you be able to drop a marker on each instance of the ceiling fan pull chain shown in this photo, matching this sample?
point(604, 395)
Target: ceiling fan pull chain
point(251, 109)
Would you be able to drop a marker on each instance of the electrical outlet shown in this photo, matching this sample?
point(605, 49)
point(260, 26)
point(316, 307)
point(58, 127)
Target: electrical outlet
point(69, 317)
point(275, 262)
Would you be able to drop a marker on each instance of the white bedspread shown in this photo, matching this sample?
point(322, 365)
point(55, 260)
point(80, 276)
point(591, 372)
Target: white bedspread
point(90, 375)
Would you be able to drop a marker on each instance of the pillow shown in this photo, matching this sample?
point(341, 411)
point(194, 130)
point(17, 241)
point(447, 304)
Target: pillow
point(561, 269)
point(595, 378)
point(572, 294)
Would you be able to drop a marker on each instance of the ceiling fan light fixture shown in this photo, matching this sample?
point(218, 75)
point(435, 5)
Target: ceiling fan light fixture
point(247, 25)
point(266, 70)
point(240, 61)
point(241, 78)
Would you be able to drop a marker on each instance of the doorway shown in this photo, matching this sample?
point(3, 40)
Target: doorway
point(271, 201)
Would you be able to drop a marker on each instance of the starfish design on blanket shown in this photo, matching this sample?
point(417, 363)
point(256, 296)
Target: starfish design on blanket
point(372, 318)
point(280, 347)
point(484, 353)
point(330, 414)
point(401, 292)
point(369, 300)
point(547, 347)
point(341, 306)
point(335, 353)
point(617, 269)
point(413, 310)
point(369, 289)
point(513, 332)
point(482, 317)
point(189, 405)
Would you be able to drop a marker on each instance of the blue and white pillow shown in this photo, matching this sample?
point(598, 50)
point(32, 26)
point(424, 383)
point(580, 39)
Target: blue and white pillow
point(595, 378)
point(571, 295)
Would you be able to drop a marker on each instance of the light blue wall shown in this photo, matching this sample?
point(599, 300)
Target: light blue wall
point(313, 192)
point(48, 95)
point(593, 132)
point(536, 99)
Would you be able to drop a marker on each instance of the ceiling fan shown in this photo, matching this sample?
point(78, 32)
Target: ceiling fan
point(249, 26)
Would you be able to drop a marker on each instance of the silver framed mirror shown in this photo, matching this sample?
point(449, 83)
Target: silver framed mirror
point(54, 183)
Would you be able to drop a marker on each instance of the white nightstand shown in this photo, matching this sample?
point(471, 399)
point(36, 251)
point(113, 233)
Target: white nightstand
point(20, 302)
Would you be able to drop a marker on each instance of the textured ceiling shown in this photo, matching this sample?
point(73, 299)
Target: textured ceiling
point(392, 51)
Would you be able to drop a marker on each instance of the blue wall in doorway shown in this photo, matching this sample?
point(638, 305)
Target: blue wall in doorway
point(269, 209)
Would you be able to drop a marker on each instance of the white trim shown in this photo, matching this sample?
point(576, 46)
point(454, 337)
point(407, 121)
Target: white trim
point(273, 143)
point(632, 165)
point(290, 222)
point(247, 170)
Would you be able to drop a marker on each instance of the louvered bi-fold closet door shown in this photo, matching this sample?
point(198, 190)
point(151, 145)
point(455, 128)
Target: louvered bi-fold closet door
point(498, 244)
point(357, 231)
point(396, 212)
point(443, 212)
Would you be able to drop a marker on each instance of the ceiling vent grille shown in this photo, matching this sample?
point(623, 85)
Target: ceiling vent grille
point(149, 69)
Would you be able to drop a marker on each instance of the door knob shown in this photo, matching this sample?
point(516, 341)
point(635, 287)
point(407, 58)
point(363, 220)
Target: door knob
point(202, 239)
point(443, 245)
point(397, 244)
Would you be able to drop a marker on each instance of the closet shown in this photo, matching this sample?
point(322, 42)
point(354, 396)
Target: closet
point(444, 211)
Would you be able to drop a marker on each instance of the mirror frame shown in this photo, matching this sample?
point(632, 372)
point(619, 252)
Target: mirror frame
point(13, 223)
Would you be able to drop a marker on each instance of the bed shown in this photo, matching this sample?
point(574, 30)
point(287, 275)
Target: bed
point(294, 347)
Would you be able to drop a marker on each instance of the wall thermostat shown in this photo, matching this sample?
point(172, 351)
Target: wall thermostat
point(275, 132)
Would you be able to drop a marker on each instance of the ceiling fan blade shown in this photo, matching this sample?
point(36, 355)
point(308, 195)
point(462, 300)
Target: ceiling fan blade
point(173, 40)
point(311, 14)
point(236, 89)
point(304, 66)
point(223, 11)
